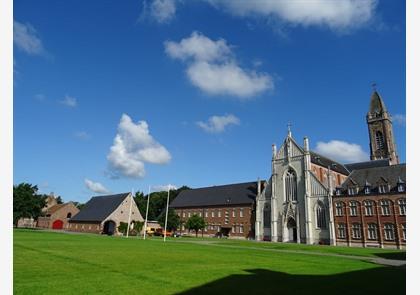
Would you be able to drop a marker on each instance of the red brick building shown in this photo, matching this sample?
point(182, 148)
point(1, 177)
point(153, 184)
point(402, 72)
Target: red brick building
point(370, 208)
point(228, 210)
point(57, 216)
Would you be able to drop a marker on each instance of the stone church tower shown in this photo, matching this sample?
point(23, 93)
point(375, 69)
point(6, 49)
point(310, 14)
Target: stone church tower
point(382, 144)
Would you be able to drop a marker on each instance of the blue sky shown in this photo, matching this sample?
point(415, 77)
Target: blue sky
point(215, 83)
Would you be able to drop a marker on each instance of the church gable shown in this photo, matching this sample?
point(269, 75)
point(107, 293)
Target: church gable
point(289, 149)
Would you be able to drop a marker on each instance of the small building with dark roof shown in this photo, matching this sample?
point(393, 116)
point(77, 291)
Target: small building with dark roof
point(228, 210)
point(103, 214)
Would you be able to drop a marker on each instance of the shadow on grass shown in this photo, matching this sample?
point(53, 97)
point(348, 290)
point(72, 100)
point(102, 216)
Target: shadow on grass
point(392, 255)
point(381, 280)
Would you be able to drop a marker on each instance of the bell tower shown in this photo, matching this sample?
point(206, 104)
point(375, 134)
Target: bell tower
point(382, 143)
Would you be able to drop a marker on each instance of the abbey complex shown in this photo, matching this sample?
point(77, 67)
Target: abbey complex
point(312, 199)
point(308, 198)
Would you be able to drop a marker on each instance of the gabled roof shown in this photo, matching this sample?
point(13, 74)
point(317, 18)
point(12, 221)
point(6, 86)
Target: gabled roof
point(99, 208)
point(230, 194)
point(54, 208)
point(367, 164)
point(374, 176)
point(326, 162)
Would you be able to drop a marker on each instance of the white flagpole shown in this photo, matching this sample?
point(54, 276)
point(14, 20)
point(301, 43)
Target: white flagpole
point(147, 212)
point(129, 213)
point(166, 218)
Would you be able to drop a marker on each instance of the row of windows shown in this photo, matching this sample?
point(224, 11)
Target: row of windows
point(213, 213)
point(382, 189)
point(239, 228)
point(369, 208)
point(372, 231)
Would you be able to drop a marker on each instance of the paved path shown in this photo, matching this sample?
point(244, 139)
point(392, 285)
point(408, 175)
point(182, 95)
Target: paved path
point(377, 260)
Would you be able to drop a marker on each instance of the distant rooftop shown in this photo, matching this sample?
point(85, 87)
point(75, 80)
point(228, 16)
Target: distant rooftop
point(230, 194)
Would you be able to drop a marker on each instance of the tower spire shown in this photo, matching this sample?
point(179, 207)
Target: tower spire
point(382, 143)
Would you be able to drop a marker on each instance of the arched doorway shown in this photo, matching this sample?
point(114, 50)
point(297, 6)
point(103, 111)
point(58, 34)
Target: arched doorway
point(57, 224)
point(292, 230)
point(109, 227)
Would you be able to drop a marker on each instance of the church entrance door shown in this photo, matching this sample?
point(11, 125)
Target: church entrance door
point(292, 231)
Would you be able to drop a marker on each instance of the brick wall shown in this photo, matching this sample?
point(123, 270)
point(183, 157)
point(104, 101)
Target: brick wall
point(95, 228)
point(237, 219)
point(390, 223)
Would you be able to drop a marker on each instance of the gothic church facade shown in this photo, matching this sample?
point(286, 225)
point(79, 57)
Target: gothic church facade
point(296, 204)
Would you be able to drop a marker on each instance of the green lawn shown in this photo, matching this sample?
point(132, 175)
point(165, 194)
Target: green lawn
point(57, 263)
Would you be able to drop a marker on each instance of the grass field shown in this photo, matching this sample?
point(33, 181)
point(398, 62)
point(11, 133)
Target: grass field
point(59, 263)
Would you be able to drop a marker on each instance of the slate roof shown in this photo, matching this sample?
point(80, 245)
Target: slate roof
point(325, 162)
point(391, 175)
point(230, 194)
point(99, 208)
point(367, 164)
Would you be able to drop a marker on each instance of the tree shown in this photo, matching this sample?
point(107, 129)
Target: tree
point(26, 202)
point(196, 223)
point(122, 228)
point(138, 225)
point(173, 220)
point(59, 200)
point(157, 202)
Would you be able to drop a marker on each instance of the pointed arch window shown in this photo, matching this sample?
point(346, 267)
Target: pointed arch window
point(291, 185)
point(380, 143)
point(321, 220)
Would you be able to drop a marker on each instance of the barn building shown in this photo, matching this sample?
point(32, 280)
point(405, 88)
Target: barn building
point(103, 214)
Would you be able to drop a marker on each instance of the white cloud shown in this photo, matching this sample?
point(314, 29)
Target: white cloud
point(95, 187)
point(26, 39)
point(83, 135)
point(338, 15)
point(399, 119)
point(335, 14)
point(342, 151)
point(160, 188)
point(161, 11)
point(218, 124)
point(69, 101)
point(133, 146)
point(213, 68)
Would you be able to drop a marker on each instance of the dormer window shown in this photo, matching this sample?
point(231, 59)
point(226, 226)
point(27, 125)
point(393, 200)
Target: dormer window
point(367, 190)
point(338, 191)
point(352, 190)
point(383, 188)
point(401, 188)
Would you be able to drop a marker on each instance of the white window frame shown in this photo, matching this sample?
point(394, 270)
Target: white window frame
point(402, 206)
point(385, 208)
point(233, 213)
point(219, 213)
point(389, 230)
point(339, 208)
point(368, 208)
point(356, 232)
point(241, 212)
point(341, 231)
point(353, 208)
point(372, 231)
point(403, 231)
